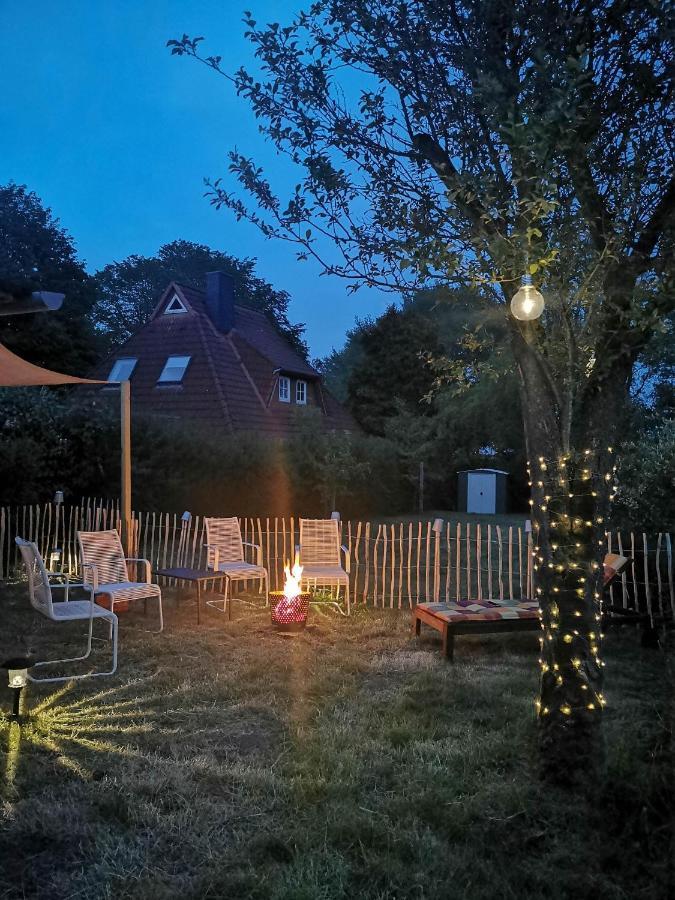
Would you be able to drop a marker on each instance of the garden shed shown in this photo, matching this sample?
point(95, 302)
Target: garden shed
point(482, 491)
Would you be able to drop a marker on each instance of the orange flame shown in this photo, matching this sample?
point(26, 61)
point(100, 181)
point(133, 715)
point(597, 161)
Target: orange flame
point(292, 579)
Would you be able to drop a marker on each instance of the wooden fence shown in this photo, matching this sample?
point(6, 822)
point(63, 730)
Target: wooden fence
point(393, 565)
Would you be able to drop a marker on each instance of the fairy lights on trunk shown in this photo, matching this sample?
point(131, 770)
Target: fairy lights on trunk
point(572, 498)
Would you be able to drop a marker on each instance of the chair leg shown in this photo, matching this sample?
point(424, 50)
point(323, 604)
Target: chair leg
point(347, 596)
point(52, 662)
point(113, 628)
point(161, 615)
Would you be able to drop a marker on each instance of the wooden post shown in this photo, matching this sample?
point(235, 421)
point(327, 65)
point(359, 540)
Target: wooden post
point(125, 495)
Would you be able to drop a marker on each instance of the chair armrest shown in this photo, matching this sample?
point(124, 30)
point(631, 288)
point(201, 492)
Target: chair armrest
point(94, 575)
point(258, 551)
point(348, 559)
point(68, 584)
point(148, 568)
point(215, 556)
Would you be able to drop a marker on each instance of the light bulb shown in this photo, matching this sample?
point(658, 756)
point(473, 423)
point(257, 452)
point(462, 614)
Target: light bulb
point(527, 303)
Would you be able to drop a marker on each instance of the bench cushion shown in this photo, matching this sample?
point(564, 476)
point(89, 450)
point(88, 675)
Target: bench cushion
point(483, 611)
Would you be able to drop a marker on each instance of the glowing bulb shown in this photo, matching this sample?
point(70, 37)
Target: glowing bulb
point(527, 303)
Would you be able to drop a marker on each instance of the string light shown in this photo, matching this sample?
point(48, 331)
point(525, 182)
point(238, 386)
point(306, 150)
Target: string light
point(566, 512)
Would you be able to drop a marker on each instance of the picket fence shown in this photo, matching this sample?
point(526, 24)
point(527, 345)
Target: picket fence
point(393, 565)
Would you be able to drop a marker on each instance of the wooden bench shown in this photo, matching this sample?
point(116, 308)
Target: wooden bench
point(467, 617)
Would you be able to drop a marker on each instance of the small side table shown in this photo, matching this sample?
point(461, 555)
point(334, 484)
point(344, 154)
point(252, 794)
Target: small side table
point(195, 576)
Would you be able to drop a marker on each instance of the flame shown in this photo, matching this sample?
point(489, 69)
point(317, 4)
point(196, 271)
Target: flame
point(292, 579)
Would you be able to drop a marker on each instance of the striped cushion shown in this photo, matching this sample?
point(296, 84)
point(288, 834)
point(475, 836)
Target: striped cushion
point(103, 549)
point(224, 536)
point(129, 590)
point(330, 573)
point(483, 611)
point(241, 570)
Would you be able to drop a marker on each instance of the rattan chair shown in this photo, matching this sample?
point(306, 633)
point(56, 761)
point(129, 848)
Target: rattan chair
point(225, 554)
point(105, 570)
point(40, 589)
point(320, 557)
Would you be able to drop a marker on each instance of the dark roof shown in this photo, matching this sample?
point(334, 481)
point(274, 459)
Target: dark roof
point(257, 330)
point(231, 380)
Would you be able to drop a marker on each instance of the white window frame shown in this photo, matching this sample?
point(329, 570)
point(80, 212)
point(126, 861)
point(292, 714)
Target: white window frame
point(174, 370)
point(301, 393)
point(284, 389)
point(119, 364)
point(175, 312)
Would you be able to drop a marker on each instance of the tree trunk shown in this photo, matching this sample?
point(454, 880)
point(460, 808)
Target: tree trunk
point(568, 574)
point(570, 490)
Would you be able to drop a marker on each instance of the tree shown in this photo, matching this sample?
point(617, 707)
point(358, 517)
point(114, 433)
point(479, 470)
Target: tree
point(470, 140)
point(392, 374)
point(36, 253)
point(386, 372)
point(128, 291)
point(647, 481)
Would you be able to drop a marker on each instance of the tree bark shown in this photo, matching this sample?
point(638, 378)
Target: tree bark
point(570, 487)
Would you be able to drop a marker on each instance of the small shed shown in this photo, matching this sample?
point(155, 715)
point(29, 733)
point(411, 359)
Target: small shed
point(482, 491)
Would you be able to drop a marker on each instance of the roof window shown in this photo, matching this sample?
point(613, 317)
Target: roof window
point(174, 370)
point(122, 369)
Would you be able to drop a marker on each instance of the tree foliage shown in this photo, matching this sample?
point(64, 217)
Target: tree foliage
point(388, 372)
point(128, 291)
point(393, 375)
point(36, 253)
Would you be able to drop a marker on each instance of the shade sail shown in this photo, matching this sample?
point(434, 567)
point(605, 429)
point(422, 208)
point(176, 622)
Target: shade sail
point(17, 372)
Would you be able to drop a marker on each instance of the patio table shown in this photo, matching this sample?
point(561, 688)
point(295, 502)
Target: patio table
point(194, 576)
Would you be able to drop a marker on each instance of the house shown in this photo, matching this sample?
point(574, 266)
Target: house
point(205, 358)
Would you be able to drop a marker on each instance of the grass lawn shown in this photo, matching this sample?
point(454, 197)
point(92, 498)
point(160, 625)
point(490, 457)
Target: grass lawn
point(229, 762)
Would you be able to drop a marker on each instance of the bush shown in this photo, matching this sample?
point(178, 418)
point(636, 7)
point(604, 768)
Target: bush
point(646, 496)
point(58, 439)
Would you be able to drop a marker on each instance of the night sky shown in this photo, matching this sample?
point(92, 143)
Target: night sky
point(116, 135)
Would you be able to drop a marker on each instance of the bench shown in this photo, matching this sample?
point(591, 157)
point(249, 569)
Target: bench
point(472, 617)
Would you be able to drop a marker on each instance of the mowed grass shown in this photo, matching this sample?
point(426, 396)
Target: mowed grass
point(229, 762)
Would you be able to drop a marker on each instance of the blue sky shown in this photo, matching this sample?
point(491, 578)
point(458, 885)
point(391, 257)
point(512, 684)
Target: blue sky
point(116, 135)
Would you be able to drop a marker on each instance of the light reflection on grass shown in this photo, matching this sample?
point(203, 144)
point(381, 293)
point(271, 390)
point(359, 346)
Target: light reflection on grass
point(64, 728)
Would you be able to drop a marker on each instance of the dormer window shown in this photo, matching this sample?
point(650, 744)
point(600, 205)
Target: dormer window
point(175, 305)
point(122, 369)
point(284, 389)
point(174, 370)
point(301, 392)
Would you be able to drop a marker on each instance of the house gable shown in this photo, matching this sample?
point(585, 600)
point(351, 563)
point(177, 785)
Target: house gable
point(229, 378)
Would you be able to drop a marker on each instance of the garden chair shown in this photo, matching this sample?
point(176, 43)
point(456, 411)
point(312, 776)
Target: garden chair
point(40, 592)
point(105, 570)
point(320, 557)
point(225, 554)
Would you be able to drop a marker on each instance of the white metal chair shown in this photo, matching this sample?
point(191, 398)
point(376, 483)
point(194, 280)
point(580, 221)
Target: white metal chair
point(40, 592)
point(225, 554)
point(105, 570)
point(320, 557)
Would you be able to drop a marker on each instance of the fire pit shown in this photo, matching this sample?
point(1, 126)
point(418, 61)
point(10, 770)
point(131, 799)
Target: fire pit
point(290, 607)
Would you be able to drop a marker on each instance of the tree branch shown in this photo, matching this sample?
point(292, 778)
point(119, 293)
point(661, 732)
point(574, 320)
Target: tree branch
point(441, 163)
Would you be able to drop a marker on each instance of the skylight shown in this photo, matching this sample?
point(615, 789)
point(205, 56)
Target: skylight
point(122, 369)
point(173, 370)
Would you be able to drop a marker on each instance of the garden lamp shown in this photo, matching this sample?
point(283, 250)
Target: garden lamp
point(527, 303)
point(17, 673)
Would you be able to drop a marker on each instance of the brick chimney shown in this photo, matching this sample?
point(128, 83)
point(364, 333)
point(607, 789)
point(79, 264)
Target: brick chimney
point(220, 300)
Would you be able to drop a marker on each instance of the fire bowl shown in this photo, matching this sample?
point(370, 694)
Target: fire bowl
point(289, 616)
